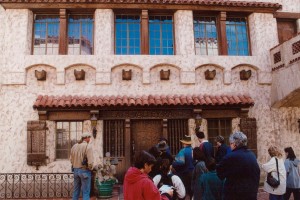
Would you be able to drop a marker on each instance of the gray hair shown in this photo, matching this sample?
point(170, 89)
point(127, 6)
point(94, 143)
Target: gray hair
point(238, 138)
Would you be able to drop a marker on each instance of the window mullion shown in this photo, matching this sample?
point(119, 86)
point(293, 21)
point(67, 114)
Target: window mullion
point(62, 32)
point(145, 33)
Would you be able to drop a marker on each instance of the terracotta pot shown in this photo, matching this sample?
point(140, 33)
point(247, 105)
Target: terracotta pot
point(165, 74)
point(210, 75)
point(126, 74)
point(79, 75)
point(40, 75)
point(245, 75)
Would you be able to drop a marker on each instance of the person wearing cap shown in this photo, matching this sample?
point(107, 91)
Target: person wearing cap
point(222, 150)
point(205, 145)
point(82, 167)
point(183, 164)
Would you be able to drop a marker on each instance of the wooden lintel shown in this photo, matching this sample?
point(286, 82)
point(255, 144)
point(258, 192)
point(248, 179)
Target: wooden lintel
point(69, 115)
point(287, 15)
point(135, 6)
point(220, 114)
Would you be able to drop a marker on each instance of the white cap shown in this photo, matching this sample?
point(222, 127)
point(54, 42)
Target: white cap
point(86, 134)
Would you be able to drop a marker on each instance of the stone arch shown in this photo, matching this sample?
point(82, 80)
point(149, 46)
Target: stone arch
point(80, 65)
point(245, 65)
point(210, 64)
point(89, 77)
point(49, 74)
point(126, 64)
point(39, 65)
point(165, 64)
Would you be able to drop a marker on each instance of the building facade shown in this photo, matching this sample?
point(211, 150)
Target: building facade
point(132, 72)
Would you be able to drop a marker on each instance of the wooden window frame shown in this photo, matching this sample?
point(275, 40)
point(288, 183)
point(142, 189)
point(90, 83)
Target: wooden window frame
point(221, 18)
point(69, 141)
point(63, 15)
point(144, 14)
point(219, 128)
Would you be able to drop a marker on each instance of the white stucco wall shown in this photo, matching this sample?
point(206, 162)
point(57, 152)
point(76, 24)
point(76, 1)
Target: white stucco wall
point(20, 88)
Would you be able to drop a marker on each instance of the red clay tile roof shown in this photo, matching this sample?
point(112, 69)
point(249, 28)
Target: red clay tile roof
point(170, 2)
point(151, 100)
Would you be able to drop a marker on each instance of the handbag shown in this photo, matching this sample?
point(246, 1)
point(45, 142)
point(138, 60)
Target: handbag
point(85, 160)
point(271, 180)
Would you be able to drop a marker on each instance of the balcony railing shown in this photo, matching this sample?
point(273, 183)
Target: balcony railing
point(36, 185)
point(286, 53)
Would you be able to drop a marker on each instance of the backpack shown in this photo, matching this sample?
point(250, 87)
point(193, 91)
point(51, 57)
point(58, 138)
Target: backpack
point(167, 180)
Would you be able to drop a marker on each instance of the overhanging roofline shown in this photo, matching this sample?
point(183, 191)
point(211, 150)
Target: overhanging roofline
point(214, 5)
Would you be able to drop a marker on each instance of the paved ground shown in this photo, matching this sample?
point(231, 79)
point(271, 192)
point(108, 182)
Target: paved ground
point(118, 195)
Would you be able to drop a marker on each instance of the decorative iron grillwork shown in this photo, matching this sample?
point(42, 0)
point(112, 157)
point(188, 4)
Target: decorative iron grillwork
point(277, 57)
point(36, 185)
point(296, 47)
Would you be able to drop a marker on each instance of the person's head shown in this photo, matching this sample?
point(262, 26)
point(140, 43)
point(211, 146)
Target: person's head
point(237, 139)
point(290, 154)
point(200, 135)
point(219, 140)
point(274, 151)
point(186, 141)
point(144, 161)
point(165, 166)
point(210, 164)
point(155, 151)
point(86, 136)
point(162, 146)
point(198, 154)
point(163, 139)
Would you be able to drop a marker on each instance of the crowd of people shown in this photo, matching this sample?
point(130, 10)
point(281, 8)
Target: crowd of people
point(231, 173)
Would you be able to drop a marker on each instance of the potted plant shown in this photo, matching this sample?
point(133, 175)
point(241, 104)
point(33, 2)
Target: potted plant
point(105, 179)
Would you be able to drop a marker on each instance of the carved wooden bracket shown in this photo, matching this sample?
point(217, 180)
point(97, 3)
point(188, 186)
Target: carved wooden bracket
point(79, 75)
point(40, 75)
point(210, 75)
point(126, 74)
point(245, 75)
point(165, 74)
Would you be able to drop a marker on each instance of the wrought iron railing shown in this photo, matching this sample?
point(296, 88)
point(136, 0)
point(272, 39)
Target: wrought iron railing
point(36, 185)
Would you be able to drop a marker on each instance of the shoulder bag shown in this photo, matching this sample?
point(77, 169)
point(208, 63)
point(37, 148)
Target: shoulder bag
point(271, 180)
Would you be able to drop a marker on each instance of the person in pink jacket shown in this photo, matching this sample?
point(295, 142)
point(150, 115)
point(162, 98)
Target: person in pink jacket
point(137, 183)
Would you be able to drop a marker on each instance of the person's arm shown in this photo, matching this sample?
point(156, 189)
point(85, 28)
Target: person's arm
point(178, 184)
point(269, 166)
point(90, 157)
point(156, 179)
point(287, 166)
point(150, 192)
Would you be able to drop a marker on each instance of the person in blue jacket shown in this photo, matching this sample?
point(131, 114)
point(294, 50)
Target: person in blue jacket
point(183, 164)
point(222, 148)
point(240, 170)
point(205, 145)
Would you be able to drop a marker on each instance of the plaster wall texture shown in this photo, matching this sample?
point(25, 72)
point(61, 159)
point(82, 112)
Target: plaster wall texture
point(20, 88)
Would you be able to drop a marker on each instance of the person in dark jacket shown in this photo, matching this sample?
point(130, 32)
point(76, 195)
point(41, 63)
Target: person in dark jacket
point(205, 145)
point(240, 170)
point(222, 150)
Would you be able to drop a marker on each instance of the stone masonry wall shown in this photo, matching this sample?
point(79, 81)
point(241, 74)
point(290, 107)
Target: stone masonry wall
point(19, 87)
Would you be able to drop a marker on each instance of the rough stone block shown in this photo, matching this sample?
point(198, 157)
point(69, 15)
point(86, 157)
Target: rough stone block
point(103, 78)
point(188, 77)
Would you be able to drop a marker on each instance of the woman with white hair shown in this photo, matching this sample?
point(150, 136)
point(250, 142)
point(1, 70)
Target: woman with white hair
point(240, 170)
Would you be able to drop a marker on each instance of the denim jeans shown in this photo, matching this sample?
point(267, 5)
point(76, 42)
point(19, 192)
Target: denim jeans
point(275, 197)
point(289, 191)
point(82, 179)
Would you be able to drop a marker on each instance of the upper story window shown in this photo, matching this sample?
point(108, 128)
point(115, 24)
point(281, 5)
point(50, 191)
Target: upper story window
point(144, 34)
point(161, 35)
point(46, 33)
point(64, 34)
point(205, 34)
point(80, 34)
point(237, 36)
point(219, 34)
point(286, 29)
point(128, 34)
point(67, 134)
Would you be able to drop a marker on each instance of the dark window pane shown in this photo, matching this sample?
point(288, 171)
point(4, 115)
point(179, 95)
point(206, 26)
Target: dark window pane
point(67, 134)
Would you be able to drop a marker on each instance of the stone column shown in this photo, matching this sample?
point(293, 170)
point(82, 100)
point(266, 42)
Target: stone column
point(104, 32)
point(263, 34)
point(298, 25)
point(18, 32)
point(183, 32)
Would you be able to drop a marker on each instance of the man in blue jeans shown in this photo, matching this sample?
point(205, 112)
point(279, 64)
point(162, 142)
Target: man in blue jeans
point(82, 163)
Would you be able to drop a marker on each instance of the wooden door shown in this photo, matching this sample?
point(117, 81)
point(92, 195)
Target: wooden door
point(286, 30)
point(248, 126)
point(144, 134)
